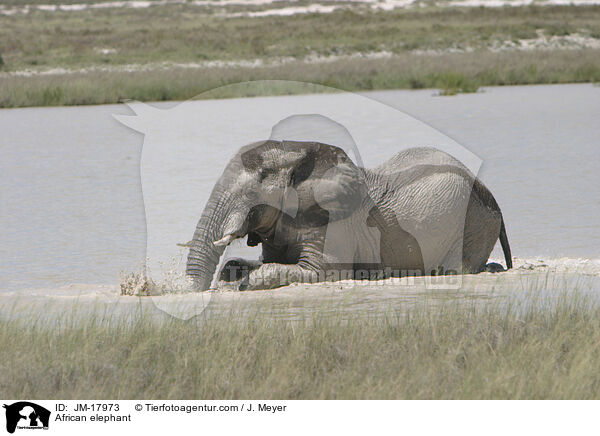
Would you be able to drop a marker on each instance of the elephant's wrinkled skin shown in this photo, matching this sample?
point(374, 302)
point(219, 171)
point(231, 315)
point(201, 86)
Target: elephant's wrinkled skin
point(317, 214)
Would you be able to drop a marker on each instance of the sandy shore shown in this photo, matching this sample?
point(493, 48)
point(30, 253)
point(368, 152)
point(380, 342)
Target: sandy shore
point(531, 279)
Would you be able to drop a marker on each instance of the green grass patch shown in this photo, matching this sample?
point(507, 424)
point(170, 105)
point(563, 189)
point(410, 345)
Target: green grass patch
point(452, 83)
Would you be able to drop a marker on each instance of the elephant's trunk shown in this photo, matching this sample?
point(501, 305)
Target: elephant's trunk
point(221, 222)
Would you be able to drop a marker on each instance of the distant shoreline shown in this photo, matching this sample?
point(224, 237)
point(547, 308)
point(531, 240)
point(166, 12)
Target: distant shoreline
point(172, 52)
point(451, 74)
point(265, 8)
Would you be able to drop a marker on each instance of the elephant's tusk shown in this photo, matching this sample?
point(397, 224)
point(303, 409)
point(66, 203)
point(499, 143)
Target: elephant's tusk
point(224, 241)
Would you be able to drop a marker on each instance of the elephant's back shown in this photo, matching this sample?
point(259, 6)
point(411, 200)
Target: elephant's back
point(418, 156)
point(422, 164)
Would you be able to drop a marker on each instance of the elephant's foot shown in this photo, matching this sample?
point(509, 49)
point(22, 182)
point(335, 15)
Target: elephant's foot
point(274, 275)
point(237, 269)
point(494, 267)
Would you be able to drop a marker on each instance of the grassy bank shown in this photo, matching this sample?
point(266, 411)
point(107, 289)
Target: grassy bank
point(115, 54)
point(453, 351)
point(452, 73)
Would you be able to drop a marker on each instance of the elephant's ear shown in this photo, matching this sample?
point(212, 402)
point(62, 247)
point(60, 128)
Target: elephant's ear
point(336, 186)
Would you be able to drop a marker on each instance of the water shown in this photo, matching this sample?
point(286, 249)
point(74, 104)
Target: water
point(77, 210)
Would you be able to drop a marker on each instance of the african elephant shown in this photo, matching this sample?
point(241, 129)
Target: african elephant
point(317, 214)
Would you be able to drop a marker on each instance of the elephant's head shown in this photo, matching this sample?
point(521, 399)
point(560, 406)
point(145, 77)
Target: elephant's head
point(308, 183)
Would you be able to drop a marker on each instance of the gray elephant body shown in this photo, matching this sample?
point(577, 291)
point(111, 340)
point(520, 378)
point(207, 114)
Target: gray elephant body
point(320, 217)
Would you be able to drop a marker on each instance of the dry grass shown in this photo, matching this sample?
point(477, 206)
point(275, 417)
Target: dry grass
point(449, 351)
point(185, 33)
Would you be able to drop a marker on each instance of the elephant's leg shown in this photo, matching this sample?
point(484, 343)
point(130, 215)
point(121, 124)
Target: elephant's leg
point(274, 275)
point(477, 247)
point(482, 227)
point(453, 261)
point(237, 269)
